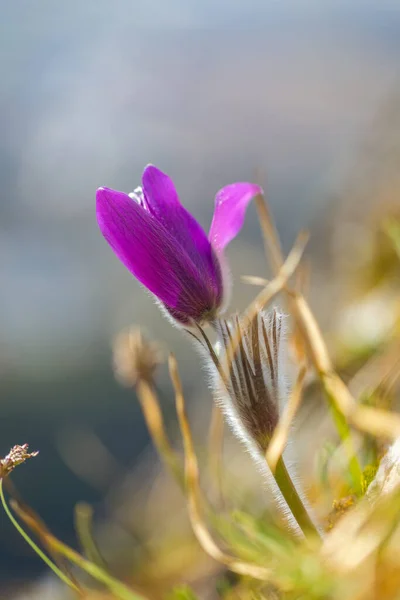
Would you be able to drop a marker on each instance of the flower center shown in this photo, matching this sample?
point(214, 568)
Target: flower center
point(138, 196)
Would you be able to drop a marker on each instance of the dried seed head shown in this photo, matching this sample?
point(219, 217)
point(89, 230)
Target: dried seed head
point(16, 456)
point(135, 358)
point(250, 365)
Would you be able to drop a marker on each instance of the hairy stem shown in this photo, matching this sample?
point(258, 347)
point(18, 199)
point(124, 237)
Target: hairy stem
point(295, 503)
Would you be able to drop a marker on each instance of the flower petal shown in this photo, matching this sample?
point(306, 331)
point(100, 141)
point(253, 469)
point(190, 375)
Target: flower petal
point(230, 208)
point(163, 202)
point(154, 257)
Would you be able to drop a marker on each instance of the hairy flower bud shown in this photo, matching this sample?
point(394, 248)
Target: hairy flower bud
point(250, 388)
point(250, 365)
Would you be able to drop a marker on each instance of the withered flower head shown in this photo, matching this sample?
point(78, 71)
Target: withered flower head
point(250, 365)
point(135, 357)
point(16, 456)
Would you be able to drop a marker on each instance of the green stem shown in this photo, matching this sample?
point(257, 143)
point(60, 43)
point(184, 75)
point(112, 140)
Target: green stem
point(293, 499)
point(32, 544)
point(344, 432)
point(83, 527)
point(120, 590)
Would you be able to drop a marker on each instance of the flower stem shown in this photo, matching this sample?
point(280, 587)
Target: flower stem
point(119, 589)
point(295, 503)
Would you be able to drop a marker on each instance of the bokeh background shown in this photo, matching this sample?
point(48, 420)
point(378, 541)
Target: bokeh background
point(303, 95)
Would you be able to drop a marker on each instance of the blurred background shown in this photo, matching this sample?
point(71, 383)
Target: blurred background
point(303, 95)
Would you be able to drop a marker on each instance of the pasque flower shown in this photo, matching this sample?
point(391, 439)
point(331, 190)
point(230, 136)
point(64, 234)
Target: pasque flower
point(166, 249)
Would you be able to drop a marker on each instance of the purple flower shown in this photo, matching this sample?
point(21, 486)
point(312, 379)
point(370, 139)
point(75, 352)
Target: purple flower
point(165, 248)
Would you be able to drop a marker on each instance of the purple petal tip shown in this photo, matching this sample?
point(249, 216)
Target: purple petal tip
point(230, 208)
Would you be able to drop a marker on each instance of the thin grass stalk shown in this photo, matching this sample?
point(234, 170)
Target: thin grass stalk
point(61, 563)
point(280, 436)
point(271, 289)
point(116, 587)
point(62, 576)
point(83, 527)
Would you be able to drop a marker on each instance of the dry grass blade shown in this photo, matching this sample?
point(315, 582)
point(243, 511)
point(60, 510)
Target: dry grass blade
point(255, 280)
point(271, 241)
point(380, 372)
point(374, 421)
point(311, 333)
point(272, 288)
point(155, 423)
point(195, 501)
point(281, 433)
point(317, 351)
point(371, 420)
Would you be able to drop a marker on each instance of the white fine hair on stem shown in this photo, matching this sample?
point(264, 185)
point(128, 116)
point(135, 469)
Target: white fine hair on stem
point(249, 384)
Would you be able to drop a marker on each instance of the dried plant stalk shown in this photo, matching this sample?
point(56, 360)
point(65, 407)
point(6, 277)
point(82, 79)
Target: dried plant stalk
point(135, 360)
point(375, 421)
point(314, 343)
point(272, 247)
point(271, 289)
point(281, 433)
point(195, 501)
point(155, 423)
